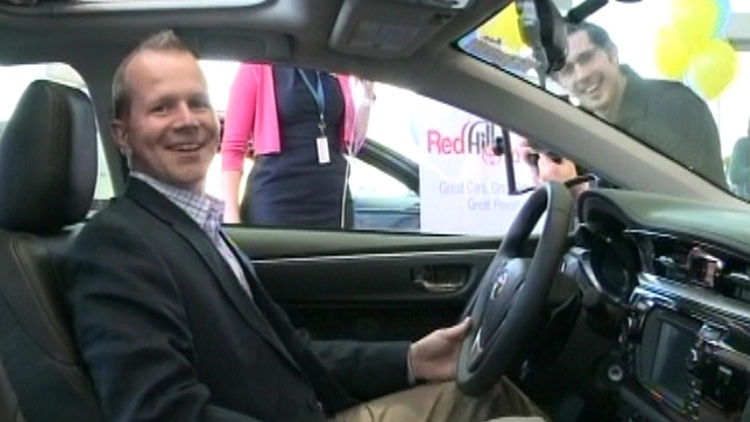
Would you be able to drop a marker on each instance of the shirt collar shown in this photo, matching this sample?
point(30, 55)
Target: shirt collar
point(204, 209)
point(631, 106)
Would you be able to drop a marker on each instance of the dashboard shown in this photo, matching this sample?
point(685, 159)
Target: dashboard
point(677, 274)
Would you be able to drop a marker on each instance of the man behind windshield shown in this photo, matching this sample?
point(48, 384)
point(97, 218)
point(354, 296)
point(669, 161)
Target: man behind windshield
point(664, 115)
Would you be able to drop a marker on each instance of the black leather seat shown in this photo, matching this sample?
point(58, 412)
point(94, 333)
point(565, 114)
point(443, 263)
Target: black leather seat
point(9, 411)
point(48, 171)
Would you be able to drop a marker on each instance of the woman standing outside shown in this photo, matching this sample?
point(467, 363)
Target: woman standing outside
point(298, 124)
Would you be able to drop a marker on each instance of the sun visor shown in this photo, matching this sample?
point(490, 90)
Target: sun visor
point(389, 28)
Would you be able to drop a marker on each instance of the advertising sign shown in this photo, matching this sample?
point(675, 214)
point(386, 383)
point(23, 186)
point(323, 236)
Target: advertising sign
point(463, 186)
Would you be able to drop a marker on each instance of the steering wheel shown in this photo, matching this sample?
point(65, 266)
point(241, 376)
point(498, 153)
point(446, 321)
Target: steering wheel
point(509, 302)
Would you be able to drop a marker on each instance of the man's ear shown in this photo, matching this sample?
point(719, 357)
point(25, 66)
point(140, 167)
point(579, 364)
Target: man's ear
point(614, 54)
point(120, 136)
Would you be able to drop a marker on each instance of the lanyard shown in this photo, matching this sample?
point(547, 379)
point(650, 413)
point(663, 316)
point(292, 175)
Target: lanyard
point(318, 95)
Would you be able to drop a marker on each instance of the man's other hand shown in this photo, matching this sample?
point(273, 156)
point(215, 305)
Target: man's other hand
point(550, 170)
point(545, 167)
point(435, 356)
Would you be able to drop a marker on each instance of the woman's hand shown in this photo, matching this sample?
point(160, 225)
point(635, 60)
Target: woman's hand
point(369, 88)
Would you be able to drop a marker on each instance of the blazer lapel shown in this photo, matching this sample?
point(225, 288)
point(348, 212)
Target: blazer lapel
point(178, 220)
point(270, 310)
point(259, 292)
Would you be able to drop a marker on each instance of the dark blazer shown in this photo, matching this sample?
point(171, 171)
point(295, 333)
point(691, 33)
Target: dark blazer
point(673, 120)
point(168, 334)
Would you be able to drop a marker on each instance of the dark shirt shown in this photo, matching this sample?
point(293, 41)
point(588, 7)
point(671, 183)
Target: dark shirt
point(668, 117)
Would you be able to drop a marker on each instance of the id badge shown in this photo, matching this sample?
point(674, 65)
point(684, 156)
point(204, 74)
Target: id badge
point(324, 156)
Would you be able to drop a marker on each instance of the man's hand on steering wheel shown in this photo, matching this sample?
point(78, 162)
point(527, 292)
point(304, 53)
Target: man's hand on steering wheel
point(435, 356)
point(508, 305)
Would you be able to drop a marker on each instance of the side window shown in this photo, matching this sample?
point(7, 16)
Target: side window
point(381, 201)
point(423, 167)
point(16, 78)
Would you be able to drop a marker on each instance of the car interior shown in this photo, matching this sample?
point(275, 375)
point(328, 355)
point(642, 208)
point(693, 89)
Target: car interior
point(635, 302)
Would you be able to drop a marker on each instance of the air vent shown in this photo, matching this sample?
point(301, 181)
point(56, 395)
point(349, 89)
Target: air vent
point(670, 260)
point(700, 265)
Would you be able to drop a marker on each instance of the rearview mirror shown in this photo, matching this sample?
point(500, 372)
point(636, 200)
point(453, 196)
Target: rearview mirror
point(544, 30)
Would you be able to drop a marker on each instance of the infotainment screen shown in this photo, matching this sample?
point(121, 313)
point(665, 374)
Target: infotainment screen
point(669, 371)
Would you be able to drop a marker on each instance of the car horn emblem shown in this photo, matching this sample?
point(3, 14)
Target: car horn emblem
point(498, 285)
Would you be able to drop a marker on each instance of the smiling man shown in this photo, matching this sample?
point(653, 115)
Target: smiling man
point(169, 315)
point(171, 89)
point(664, 115)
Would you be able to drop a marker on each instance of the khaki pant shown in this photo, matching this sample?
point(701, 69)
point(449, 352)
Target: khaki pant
point(445, 403)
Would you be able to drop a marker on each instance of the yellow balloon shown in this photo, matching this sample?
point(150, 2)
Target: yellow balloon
point(695, 21)
point(504, 27)
point(713, 67)
point(672, 56)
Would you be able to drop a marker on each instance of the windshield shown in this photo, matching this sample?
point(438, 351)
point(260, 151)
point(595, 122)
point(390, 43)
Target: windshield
point(671, 73)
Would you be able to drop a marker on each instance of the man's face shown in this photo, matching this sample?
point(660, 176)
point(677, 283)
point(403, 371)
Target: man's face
point(591, 73)
point(171, 130)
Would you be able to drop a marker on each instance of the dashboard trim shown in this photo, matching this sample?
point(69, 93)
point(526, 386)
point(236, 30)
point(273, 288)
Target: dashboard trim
point(690, 298)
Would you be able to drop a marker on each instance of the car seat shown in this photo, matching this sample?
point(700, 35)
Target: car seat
point(48, 171)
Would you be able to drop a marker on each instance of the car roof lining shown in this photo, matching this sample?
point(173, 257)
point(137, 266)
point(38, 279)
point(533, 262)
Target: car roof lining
point(312, 22)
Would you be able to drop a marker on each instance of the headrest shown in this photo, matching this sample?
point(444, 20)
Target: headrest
point(48, 160)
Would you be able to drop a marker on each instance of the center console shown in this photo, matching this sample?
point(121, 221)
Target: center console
point(685, 363)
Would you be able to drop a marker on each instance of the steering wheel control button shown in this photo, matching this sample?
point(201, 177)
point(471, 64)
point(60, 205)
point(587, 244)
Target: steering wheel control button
point(694, 359)
point(477, 351)
point(498, 285)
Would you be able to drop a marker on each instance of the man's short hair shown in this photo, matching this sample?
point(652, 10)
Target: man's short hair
point(597, 35)
point(165, 41)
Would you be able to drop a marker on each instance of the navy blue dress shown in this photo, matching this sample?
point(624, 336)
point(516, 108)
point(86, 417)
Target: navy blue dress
point(292, 188)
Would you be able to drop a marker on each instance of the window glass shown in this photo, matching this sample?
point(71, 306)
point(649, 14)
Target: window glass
point(678, 83)
point(16, 78)
point(732, 113)
point(424, 166)
point(462, 182)
point(382, 202)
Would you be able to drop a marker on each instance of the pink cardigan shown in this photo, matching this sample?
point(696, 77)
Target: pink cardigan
point(251, 116)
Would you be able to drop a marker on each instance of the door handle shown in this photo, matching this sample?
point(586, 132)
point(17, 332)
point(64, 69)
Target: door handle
point(440, 279)
point(436, 287)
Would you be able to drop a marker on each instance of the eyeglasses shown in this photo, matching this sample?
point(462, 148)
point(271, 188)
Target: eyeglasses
point(582, 59)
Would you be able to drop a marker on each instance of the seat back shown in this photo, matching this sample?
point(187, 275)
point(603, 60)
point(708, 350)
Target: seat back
point(48, 171)
point(9, 410)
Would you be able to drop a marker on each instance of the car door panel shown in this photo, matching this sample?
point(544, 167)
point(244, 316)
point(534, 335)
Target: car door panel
point(367, 286)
